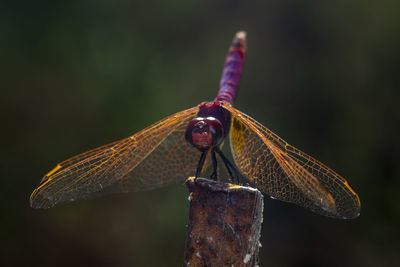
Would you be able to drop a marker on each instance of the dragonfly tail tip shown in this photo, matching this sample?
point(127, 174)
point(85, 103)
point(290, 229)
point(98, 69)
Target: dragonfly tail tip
point(241, 35)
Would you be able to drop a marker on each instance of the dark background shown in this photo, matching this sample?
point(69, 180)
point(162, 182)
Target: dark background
point(323, 75)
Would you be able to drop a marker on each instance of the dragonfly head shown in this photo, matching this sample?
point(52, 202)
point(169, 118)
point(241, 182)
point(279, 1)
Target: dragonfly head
point(204, 133)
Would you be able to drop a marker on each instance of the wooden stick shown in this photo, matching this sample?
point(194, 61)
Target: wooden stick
point(224, 224)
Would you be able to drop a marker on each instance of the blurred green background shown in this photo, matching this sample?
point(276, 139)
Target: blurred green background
point(323, 75)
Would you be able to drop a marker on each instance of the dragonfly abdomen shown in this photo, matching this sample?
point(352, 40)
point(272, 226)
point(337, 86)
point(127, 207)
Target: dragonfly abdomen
point(232, 71)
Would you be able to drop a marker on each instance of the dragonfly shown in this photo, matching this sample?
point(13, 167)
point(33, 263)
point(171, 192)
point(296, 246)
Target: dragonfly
point(188, 142)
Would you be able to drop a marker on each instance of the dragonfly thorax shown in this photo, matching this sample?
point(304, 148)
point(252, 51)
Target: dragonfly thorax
point(204, 133)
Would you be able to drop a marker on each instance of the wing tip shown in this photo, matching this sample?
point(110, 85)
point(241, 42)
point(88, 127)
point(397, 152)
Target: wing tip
point(38, 201)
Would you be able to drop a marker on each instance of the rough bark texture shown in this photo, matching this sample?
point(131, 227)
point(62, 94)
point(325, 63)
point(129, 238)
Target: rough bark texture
point(224, 224)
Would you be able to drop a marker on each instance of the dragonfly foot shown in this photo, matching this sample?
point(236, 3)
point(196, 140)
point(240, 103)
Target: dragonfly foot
point(214, 174)
point(200, 164)
point(230, 167)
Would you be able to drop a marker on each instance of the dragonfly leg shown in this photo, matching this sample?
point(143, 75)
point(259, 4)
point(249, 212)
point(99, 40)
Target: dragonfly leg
point(201, 163)
point(229, 166)
point(214, 174)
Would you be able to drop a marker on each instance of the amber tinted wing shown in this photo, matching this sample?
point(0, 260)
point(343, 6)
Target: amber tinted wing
point(286, 173)
point(151, 158)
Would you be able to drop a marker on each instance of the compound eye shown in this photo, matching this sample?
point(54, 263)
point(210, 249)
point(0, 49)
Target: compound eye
point(204, 133)
point(216, 130)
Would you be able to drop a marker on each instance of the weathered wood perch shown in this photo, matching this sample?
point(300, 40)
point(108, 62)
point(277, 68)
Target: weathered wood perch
point(224, 224)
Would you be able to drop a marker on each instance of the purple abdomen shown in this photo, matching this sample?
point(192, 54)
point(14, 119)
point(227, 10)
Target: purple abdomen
point(233, 69)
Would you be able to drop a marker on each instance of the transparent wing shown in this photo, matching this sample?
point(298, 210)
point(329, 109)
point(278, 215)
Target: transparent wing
point(285, 173)
point(153, 157)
